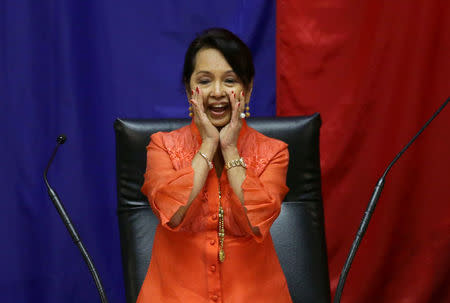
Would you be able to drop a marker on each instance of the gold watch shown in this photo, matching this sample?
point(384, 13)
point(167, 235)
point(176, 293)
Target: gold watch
point(236, 162)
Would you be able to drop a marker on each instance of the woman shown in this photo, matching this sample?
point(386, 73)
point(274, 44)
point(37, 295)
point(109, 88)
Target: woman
point(216, 186)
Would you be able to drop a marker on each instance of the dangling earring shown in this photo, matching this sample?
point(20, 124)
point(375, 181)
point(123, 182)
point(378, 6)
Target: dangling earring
point(247, 111)
point(190, 106)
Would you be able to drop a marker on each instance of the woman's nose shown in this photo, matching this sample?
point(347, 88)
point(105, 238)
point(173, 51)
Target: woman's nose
point(218, 90)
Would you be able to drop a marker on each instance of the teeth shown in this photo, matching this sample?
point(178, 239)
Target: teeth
point(218, 106)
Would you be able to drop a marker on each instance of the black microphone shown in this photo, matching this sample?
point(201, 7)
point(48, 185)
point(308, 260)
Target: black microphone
point(67, 222)
point(371, 207)
point(61, 139)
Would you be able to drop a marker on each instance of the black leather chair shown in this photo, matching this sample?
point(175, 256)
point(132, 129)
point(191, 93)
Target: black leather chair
point(298, 233)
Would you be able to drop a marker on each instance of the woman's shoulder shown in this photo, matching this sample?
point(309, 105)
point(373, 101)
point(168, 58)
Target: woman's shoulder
point(174, 135)
point(262, 142)
point(258, 150)
point(178, 142)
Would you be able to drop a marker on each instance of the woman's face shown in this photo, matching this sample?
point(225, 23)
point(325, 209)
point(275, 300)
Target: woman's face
point(216, 80)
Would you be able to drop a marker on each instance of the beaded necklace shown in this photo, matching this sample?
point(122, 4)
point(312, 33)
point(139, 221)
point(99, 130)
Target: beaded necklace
point(221, 228)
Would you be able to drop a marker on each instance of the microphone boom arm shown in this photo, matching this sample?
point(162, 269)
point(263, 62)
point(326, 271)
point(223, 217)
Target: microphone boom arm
point(68, 223)
point(371, 208)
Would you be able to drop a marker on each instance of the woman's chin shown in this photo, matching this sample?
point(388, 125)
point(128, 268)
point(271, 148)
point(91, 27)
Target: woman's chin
point(219, 122)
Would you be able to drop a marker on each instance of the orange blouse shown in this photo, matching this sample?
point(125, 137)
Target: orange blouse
point(184, 266)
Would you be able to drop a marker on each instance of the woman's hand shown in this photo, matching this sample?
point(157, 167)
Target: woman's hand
point(229, 134)
point(208, 132)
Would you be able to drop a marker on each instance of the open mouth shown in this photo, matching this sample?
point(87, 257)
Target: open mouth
point(218, 110)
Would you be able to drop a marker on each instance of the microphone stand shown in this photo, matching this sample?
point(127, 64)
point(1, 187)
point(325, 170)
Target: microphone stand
point(67, 222)
point(370, 209)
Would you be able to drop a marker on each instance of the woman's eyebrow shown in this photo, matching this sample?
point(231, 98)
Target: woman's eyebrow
point(209, 73)
point(203, 72)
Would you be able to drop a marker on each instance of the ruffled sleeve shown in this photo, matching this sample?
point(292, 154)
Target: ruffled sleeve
point(263, 194)
point(167, 188)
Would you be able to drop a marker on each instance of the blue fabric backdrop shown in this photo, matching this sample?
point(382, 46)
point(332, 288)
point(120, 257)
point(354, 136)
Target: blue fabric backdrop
point(72, 67)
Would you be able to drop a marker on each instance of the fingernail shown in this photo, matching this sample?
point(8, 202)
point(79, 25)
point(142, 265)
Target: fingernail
point(198, 91)
point(239, 103)
point(242, 93)
point(192, 91)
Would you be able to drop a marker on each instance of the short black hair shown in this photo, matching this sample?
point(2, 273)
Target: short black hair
point(236, 52)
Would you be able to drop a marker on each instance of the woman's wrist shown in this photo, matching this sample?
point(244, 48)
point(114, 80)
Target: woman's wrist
point(209, 148)
point(230, 153)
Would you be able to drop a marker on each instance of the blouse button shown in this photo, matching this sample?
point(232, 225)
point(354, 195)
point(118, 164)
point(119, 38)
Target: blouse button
point(213, 268)
point(212, 242)
point(214, 217)
point(214, 298)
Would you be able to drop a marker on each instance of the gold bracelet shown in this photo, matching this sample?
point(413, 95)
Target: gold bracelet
point(235, 162)
point(210, 165)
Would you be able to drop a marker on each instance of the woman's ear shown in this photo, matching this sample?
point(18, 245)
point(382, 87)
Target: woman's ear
point(188, 92)
point(249, 92)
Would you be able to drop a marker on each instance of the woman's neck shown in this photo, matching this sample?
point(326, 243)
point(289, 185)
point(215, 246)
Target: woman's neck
point(218, 162)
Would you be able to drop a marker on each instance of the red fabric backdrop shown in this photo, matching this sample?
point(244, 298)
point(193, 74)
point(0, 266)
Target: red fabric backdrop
point(376, 70)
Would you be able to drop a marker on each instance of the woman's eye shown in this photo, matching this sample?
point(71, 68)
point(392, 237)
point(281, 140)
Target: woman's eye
point(230, 80)
point(203, 81)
